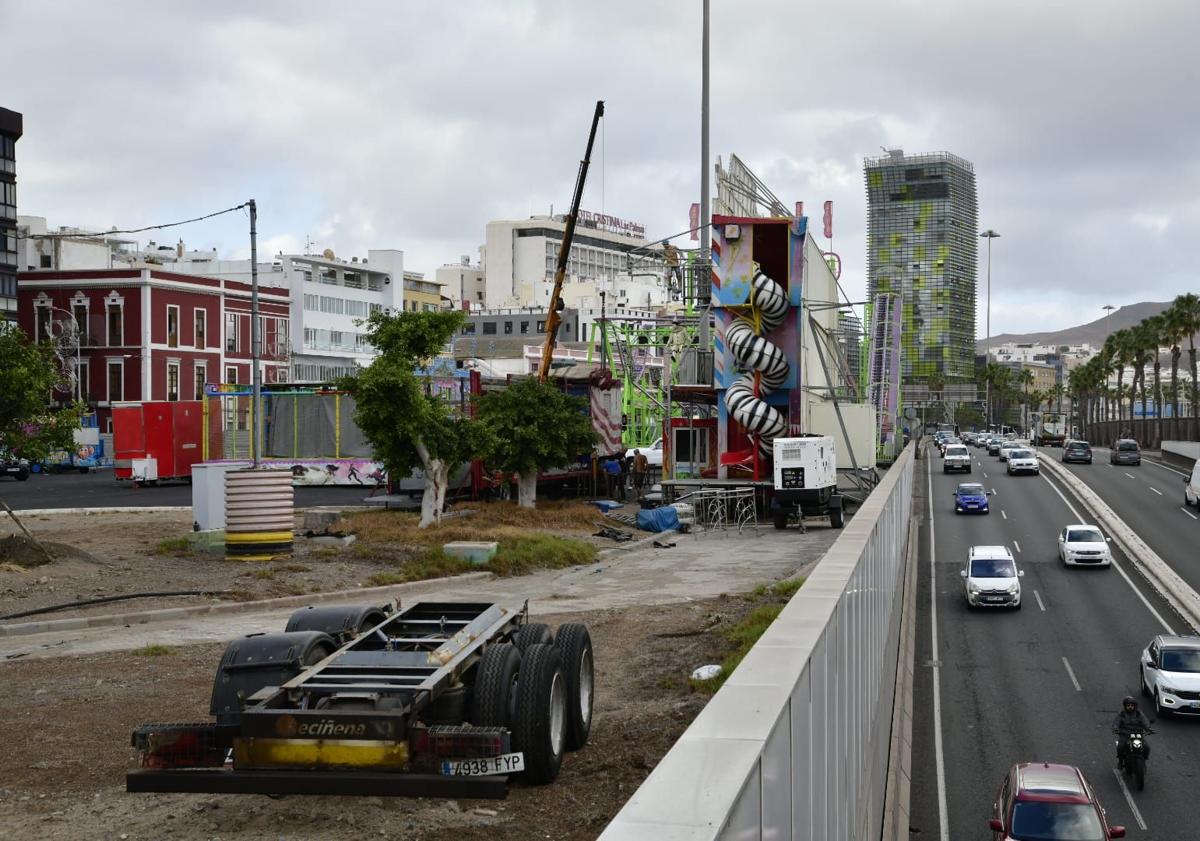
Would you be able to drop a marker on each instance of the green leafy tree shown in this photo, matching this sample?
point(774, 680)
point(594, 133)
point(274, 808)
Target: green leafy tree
point(407, 423)
point(533, 427)
point(1187, 308)
point(29, 372)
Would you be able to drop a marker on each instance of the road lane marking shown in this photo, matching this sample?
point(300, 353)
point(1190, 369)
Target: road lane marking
point(1071, 674)
point(1038, 597)
point(1116, 566)
point(1018, 545)
point(1003, 514)
point(984, 475)
point(1164, 467)
point(1137, 816)
point(1130, 475)
point(1189, 513)
point(1157, 491)
point(943, 821)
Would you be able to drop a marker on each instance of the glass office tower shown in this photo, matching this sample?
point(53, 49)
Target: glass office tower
point(922, 237)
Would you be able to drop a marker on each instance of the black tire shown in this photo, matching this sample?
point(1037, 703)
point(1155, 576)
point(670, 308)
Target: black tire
point(1159, 709)
point(494, 696)
point(574, 643)
point(1142, 682)
point(23, 476)
point(968, 470)
point(532, 633)
point(83, 469)
point(780, 521)
point(1139, 770)
point(540, 723)
point(837, 517)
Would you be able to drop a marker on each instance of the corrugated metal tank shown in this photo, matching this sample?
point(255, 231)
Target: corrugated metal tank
point(259, 511)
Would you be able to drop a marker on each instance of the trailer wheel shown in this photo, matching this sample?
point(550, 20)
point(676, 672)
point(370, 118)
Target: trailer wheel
point(837, 518)
point(259, 660)
point(533, 633)
point(342, 622)
point(780, 520)
point(540, 725)
point(494, 695)
point(574, 643)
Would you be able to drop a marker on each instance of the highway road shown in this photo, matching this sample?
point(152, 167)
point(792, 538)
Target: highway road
point(99, 489)
point(1043, 683)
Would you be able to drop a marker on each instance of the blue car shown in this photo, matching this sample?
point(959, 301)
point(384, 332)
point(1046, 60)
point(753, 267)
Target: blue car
point(970, 498)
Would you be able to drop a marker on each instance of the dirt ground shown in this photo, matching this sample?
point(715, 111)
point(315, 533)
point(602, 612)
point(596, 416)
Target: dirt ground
point(109, 554)
point(67, 745)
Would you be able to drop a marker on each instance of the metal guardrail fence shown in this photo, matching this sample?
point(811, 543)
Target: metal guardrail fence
point(795, 744)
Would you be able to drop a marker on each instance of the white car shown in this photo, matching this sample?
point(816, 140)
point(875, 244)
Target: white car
point(1022, 461)
point(1171, 674)
point(992, 578)
point(653, 453)
point(1083, 545)
point(1191, 486)
point(1006, 448)
point(956, 457)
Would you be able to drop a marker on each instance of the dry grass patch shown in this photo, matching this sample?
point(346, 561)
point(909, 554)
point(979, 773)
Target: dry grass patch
point(488, 521)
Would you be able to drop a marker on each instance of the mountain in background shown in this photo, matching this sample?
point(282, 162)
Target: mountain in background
point(1093, 333)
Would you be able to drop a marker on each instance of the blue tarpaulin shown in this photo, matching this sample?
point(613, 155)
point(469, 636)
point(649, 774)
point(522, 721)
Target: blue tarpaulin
point(658, 519)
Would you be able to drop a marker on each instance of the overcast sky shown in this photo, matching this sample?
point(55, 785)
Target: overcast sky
point(411, 125)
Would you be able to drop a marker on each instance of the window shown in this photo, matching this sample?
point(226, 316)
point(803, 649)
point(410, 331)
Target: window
point(45, 261)
point(8, 200)
point(508, 328)
point(329, 277)
point(233, 336)
point(469, 329)
point(201, 330)
point(172, 381)
point(524, 327)
point(80, 311)
point(115, 321)
point(201, 377)
point(335, 338)
point(231, 374)
point(541, 327)
point(41, 326)
point(172, 325)
point(116, 380)
point(489, 328)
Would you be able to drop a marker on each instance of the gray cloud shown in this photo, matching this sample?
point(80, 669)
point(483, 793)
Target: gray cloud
point(406, 125)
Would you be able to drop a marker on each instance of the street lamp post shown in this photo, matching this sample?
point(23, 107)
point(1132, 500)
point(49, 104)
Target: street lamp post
point(989, 235)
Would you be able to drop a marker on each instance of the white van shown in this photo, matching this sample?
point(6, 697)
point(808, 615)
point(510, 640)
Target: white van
point(1191, 486)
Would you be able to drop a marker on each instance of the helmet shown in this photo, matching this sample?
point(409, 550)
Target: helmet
point(1129, 701)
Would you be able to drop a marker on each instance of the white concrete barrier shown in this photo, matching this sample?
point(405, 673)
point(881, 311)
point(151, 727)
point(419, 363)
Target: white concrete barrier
point(795, 744)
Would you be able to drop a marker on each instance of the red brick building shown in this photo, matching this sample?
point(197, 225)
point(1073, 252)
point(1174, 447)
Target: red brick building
point(147, 334)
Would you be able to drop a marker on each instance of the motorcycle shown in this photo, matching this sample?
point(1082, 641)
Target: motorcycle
point(1134, 762)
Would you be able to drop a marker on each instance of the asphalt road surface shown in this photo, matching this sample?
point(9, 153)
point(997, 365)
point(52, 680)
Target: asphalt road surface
point(99, 489)
point(1042, 683)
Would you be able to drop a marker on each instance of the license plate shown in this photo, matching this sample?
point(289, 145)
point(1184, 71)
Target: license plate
point(508, 763)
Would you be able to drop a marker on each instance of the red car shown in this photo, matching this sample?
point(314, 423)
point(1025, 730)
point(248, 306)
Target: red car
point(1040, 801)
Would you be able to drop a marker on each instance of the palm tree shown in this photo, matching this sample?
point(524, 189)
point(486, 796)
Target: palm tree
point(1156, 334)
point(1176, 330)
point(1026, 380)
point(1188, 307)
point(1144, 342)
point(1116, 352)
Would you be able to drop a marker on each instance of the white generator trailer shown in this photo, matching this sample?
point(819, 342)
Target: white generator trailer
point(806, 481)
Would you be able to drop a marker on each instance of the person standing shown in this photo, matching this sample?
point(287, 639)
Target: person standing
point(674, 273)
point(640, 465)
point(612, 476)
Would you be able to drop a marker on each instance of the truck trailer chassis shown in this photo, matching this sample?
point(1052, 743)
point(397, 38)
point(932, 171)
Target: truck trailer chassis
point(436, 699)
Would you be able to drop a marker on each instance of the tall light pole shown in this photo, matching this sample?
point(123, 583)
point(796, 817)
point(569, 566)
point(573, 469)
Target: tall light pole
point(989, 235)
point(705, 202)
point(1108, 308)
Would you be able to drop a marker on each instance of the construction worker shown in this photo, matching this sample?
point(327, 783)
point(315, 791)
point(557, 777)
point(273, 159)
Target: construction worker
point(674, 274)
point(640, 466)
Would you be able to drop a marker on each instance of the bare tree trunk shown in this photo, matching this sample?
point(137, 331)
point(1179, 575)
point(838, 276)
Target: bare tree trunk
point(527, 489)
point(437, 478)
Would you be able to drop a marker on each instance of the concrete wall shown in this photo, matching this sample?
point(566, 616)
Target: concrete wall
point(795, 745)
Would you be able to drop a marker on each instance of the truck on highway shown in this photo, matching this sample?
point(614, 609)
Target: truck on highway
point(435, 699)
point(1050, 430)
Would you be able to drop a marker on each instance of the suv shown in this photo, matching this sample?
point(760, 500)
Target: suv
point(957, 457)
point(1040, 799)
point(1077, 451)
point(992, 578)
point(1022, 461)
point(1125, 451)
point(993, 445)
point(1171, 674)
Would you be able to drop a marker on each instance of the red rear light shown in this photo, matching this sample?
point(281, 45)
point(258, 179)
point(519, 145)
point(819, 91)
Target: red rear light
point(179, 746)
point(462, 742)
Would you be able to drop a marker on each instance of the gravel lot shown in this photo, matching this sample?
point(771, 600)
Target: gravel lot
point(67, 745)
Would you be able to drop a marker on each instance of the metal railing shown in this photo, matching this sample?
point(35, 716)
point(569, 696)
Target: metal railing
point(795, 744)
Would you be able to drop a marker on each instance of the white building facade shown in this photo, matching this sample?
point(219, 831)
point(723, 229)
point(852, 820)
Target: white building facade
point(520, 257)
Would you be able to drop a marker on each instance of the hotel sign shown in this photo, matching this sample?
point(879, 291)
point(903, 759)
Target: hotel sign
point(612, 224)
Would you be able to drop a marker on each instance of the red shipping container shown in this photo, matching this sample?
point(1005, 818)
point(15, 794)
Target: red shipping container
point(168, 432)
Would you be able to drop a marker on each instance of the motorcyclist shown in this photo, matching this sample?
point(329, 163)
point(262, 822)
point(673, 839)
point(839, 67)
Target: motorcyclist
point(1130, 720)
